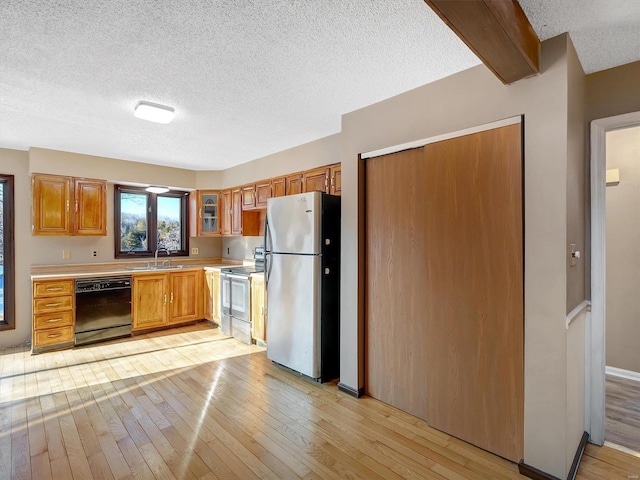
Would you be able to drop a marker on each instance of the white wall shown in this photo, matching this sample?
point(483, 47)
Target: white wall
point(623, 254)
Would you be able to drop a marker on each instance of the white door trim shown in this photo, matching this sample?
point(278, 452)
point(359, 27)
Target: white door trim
point(595, 334)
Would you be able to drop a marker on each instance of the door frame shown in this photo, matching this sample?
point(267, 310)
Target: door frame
point(595, 360)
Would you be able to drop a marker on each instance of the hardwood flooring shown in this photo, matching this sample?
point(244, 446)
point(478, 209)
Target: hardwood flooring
point(623, 412)
point(195, 404)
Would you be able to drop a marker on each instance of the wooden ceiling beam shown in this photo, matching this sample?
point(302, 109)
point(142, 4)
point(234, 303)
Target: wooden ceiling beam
point(497, 31)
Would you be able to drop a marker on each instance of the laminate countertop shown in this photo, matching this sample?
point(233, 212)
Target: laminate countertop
point(44, 272)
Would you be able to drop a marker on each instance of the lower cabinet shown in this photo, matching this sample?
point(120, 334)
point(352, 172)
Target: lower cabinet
point(53, 314)
point(212, 296)
point(161, 299)
point(258, 327)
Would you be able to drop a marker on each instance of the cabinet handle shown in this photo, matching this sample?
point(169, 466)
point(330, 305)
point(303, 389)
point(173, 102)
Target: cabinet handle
point(165, 298)
point(53, 289)
point(76, 206)
point(53, 304)
point(171, 301)
point(54, 335)
point(53, 320)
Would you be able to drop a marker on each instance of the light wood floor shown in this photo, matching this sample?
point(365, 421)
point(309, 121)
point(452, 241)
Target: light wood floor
point(195, 404)
point(623, 412)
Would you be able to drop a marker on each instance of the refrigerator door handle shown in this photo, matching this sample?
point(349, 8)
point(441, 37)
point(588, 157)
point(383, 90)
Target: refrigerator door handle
point(267, 235)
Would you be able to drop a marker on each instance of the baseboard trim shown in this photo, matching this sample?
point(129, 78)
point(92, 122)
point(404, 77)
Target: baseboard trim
point(535, 474)
point(350, 390)
point(620, 372)
point(578, 456)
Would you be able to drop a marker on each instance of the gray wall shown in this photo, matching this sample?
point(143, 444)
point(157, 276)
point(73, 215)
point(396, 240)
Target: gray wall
point(623, 255)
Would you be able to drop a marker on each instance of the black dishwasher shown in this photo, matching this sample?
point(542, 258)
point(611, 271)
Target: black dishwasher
point(103, 309)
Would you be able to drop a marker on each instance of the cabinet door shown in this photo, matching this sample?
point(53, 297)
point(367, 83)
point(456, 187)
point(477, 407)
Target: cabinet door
point(316, 179)
point(257, 308)
point(236, 211)
point(294, 184)
point(208, 221)
point(336, 180)
point(208, 296)
point(263, 193)
point(225, 211)
point(185, 297)
point(278, 187)
point(215, 296)
point(248, 197)
point(51, 209)
point(90, 206)
point(149, 302)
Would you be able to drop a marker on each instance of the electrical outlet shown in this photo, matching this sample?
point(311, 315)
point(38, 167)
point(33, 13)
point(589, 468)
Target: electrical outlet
point(94, 253)
point(195, 250)
point(66, 254)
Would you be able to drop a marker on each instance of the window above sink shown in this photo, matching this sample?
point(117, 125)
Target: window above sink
point(146, 222)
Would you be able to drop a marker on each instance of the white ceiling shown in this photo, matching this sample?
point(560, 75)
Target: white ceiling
point(247, 78)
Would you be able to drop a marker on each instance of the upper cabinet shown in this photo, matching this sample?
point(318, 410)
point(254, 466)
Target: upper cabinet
point(335, 184)
point(248, 197)
point(90, 206)
point(236, 211)
point(225, 212)
point(263, 193)
point(278, 187)
point(316, 180)
point(293, 183)
point(207, 209)
point(68, 206)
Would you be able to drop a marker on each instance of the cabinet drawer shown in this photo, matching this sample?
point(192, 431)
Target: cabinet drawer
point(49, 289)
point(52, 336)
point(51, 320)
point(50, 305)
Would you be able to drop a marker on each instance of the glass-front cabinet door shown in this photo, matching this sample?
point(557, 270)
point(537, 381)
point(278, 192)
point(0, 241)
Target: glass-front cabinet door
point(208, 214)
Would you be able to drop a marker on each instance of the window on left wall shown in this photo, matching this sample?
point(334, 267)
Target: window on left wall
point(7, 254)
point(146, 222)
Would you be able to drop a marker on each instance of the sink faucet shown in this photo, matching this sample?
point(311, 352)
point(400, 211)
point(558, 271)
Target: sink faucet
point(155, 263)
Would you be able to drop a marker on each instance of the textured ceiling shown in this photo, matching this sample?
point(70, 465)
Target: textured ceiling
point(606, 33)
point(247, 78)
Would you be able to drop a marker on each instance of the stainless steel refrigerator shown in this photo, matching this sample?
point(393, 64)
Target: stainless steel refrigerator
point(302, 274)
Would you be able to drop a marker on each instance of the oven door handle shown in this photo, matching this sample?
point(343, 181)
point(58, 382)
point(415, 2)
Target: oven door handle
point(237, 277)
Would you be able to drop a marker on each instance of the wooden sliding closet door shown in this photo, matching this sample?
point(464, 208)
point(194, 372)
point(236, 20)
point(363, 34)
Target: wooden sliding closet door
point(396, 280)
point(474, 289)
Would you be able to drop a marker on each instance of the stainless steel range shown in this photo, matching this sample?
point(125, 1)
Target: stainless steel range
point(235, 298)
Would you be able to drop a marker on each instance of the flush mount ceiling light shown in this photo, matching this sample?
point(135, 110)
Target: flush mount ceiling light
point(153, 189)
point(154, 112)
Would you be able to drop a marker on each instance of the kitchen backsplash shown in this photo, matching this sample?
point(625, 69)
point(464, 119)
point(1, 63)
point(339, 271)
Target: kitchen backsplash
point(240, 248)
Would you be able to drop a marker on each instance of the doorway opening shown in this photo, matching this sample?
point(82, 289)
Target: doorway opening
point(613, 373)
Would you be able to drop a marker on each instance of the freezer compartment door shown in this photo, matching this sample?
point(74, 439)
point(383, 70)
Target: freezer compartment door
point(293, 312)
point(294, 224)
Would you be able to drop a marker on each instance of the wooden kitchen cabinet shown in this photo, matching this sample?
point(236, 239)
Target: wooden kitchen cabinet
point(51, 207)
point(161, 299)
point(258, 326)
point(68, 206)
point(335, 183)
point(226, 209)
point(236, 211)
point(207, 210)
point(248, 197)
point(185, 296)
point(149, 301)
point(316, 179)
point(53, 314)
point(278, 187)
point(293, 183)
point(263, 193)
point(90, 206)
point(212, 296)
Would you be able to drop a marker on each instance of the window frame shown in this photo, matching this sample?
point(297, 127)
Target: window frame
point(9, 286)
point(152, 222)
